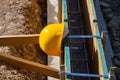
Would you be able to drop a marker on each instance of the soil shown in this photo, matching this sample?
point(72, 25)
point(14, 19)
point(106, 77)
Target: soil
point(111, 12)
point(22, 17)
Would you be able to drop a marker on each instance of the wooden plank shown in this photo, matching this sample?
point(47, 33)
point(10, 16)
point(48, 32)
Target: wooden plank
point(67, 58)
point(102, 27)
point(66, 48)
point(19, 40)
point(29, 65)
point(98, 42)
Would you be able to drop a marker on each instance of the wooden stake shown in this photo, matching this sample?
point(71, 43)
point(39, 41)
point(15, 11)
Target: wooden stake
point(62, 74)
point(104, 34)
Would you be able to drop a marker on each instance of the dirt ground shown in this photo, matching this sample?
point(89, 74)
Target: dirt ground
point(21, 17)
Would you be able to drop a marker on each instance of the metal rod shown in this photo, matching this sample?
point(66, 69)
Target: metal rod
point(86, 75)
point(83, 36)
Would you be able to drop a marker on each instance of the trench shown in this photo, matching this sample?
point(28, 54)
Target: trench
point(83, 58)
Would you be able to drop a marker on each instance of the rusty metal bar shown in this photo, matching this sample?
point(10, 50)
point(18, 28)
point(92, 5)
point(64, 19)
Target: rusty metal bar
point(19, 39)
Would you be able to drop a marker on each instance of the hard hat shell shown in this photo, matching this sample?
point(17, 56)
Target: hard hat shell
point(50, 39)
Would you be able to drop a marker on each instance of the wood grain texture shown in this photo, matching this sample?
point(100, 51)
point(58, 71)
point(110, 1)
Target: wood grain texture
point(29, 65)
point(19, 40)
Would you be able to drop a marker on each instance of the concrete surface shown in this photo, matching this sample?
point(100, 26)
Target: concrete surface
point(53, 18)
point(52, 11)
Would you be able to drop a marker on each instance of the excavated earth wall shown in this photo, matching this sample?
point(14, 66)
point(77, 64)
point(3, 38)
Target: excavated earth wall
point(21, 17)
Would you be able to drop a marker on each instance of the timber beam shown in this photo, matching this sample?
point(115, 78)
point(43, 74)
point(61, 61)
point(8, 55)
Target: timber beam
point(19, 40)
point(30, 65)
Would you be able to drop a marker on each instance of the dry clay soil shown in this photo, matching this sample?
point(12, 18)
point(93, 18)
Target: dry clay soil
point(21, 17)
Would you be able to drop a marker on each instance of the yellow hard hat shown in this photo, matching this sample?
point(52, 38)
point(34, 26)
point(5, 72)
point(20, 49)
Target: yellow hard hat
point(50, 39)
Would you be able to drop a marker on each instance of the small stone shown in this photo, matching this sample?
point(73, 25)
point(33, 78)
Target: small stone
point(114, 22)
point(117, 71)
point(114, 33)
point(116, 51)
point(3, 67)
point(20, 17)
point(118, 55)
point(108, 10)
point(29, 3)
point(116, 38)
point(116, 62)
point(14, 72)
point(104, 4)
point(17, 2)
point(110, 15)
point(116, 44)
point(19, 11)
